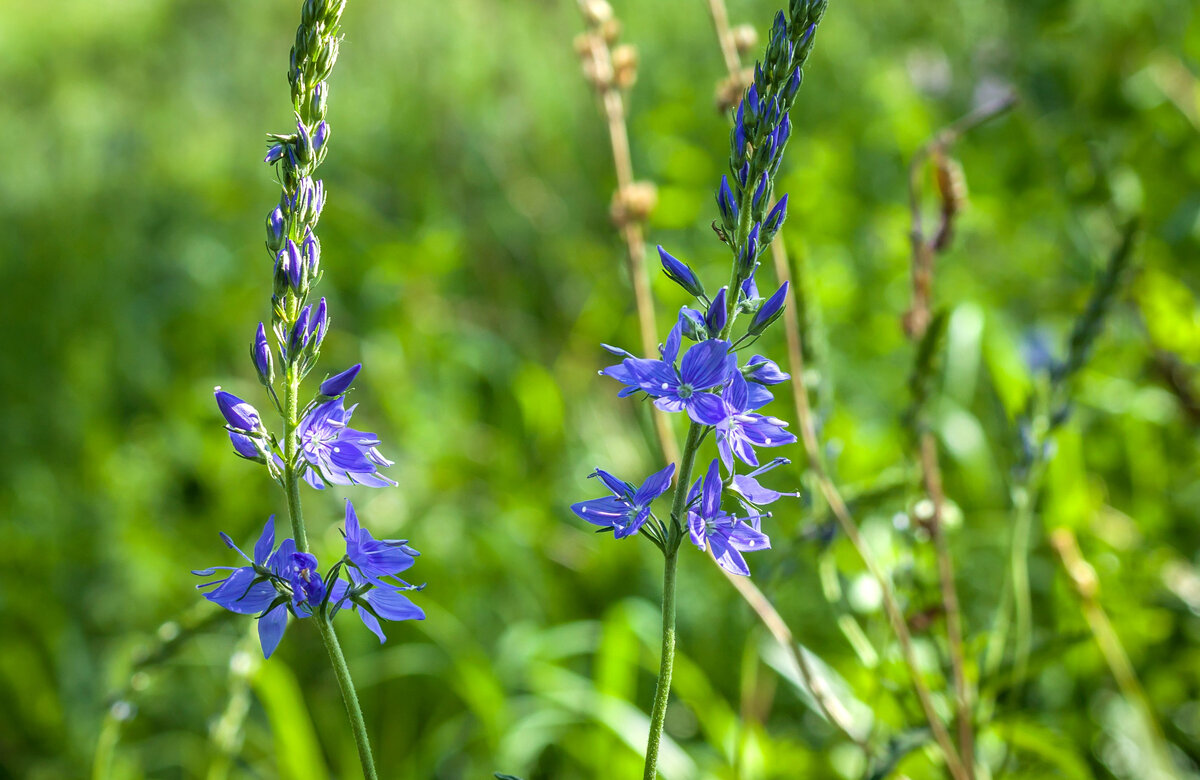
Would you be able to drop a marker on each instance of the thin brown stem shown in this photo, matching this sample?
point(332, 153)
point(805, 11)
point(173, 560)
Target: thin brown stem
point(720, 17)
point(629, 225)
point(1087, 588)
point(932, 477)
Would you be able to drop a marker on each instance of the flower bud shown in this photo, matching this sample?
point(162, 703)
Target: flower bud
point(274, 154)
point(311, 250)
point(299, 337)
point(727, 205)
point(749, 252)
point(318, 201)
point(770, 311)
point(774, 219)
point(260, 354)
point(237, 412)
point(319, 103)
point(679, 272)
point(320, 135)
point(283, 272)
point(339, 383)
point(304, 143)
point(276, 227)
point(692, 324)
point(717, 316)
point(764, 371)
point(760, 193)
point(245, 447)
point(318, 324)
point(295, 267)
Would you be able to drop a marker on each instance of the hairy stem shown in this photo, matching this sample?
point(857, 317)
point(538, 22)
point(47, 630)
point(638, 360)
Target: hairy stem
point(666, 664)
point(291, 477)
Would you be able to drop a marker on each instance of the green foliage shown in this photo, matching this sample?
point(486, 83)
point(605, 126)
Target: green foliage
point(476, 273)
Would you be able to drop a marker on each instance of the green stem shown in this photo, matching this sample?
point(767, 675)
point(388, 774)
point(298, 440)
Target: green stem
point(662, 691)
point(291, 477)
point(666, 664)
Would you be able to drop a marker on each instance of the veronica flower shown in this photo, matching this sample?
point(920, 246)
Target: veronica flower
point(337, 453)
point(249, 590)
point(704, 366)
point(739, 428)
point(750, 491)
point(764, 371)
point(372, 602)
point(718, 532)
point(628, 508)
point(375, 558)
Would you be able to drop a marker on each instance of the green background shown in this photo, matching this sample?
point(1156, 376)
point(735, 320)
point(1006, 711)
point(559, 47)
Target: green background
point(470, 265)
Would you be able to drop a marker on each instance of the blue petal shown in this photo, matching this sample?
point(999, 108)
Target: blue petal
point(710, 504)
point(707, 409)
point(601, 511)
point(370, 622)
point(270, 629)
point(393, 605)
point(654, 486)
point(705, 364)
point(266, 542)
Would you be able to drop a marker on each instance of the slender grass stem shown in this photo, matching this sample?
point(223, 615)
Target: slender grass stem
point(337, 659)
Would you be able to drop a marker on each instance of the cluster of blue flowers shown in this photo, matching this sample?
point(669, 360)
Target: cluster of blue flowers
point(317, 445)
point(723, 397)
point(719, 393)
point(279, 580)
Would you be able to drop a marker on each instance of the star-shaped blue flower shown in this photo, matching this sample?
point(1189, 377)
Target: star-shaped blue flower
point(628, 508)
point(739, 428)
point(337, 453)
point(705, 366)
point(718, 532)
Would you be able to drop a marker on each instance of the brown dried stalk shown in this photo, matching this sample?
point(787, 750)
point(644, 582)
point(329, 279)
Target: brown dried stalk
point(952, 198)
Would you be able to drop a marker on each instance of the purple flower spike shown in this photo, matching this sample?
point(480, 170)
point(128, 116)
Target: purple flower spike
point(337, 453)
point(718, 532)
point(628, 508)
point(237, 412)
point(339, 383)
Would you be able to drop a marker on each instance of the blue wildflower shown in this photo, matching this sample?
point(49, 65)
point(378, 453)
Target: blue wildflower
point(739, 428)
point(716, 531)
point(372, 602)
point(237, 413)
point(628, 508)
point(250, 590)
point(337, 453)
point(752, 492)
point(375, 558)
point(704, 366)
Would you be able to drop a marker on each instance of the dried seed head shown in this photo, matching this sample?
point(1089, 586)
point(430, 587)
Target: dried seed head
point(597, 12)
point(611, 30)
point(634, 203)
point(625, 62)
point(583, 44)
point(745, 38)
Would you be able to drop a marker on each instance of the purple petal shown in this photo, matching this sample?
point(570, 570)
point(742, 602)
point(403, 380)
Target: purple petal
point(654, 486)
point(270, 629)
point(705, 364)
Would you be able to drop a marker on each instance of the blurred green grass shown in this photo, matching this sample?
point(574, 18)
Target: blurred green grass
point(471, 267)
